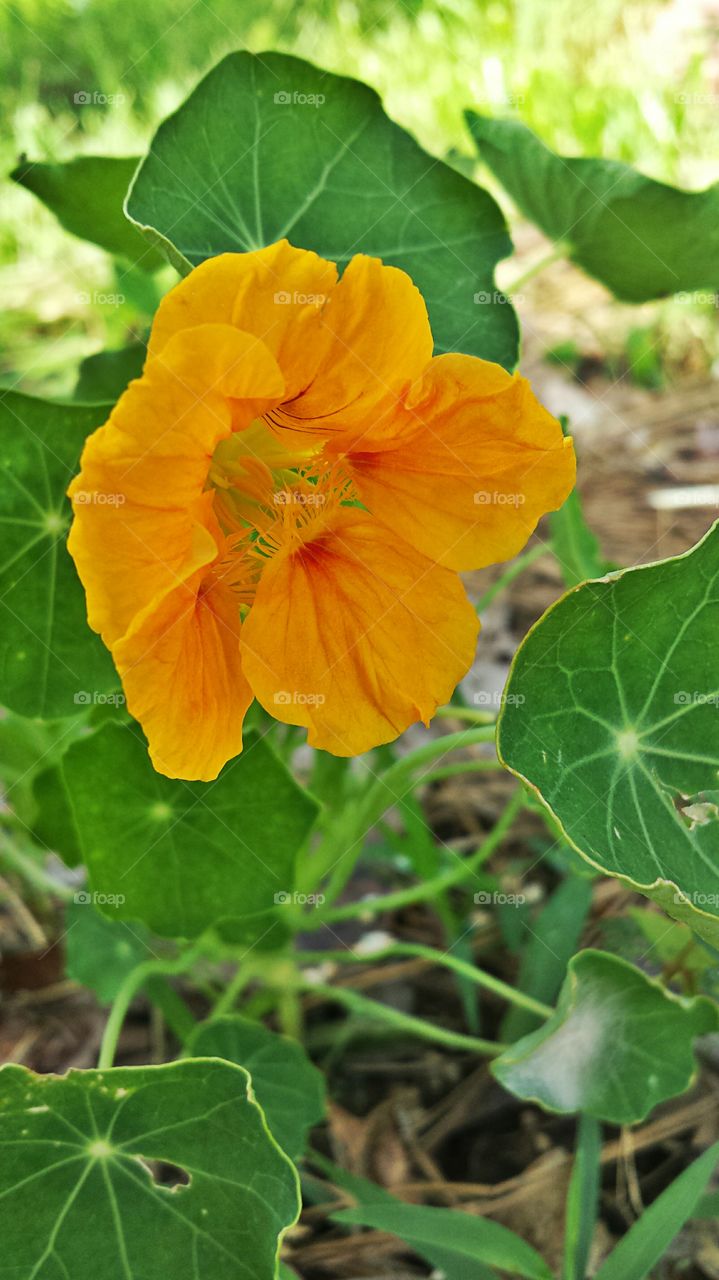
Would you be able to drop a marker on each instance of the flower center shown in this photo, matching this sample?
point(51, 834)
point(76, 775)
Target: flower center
point(271, 502)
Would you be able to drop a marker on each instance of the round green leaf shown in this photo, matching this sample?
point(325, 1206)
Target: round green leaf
point(51, 664)
point(268, 146)
point(287, 1086)
point(611, 714)
point(77, 1189)
point(184, 856)
point(641, 238)
point(617, 1044)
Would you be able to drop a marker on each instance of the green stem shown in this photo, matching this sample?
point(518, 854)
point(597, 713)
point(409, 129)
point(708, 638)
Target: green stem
point(453, 770)
point(469, 971)
point(429, 888)
point(31, 871)
point(560, 250)
point(129, 989)
point(336, 858)
point(362, 1005)
point(172, 1007)
point(470, 714)
point(243, 975)
point(513, 571)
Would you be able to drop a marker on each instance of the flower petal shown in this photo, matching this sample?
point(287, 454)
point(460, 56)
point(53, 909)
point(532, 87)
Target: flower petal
point(379, 342)
point(182, 675)
point(142, 521)
point(276, 293)
point(468, 466)
point(356, 636)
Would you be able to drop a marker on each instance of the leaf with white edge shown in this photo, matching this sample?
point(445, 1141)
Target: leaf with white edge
point(611, 715)
point(641, 238)
point(268, 146)
point(86, 195)
point(287, 1086)
point(458, 1243)
point(51, 664)
point(617, 1044)
point(80, 1178)
point(185, 856)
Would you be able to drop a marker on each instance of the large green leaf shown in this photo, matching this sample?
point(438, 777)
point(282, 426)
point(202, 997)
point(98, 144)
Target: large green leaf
point(77, 1191)
point(612, 715)
point(51, 664)
point(86, 196)
point(617, 1044)
point(268, 146)
point(287, 1086)
point(183, 856)
point(641, 238)
point(458, 1243)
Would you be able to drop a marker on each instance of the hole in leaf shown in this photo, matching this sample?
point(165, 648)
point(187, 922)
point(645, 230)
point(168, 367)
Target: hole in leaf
point(700, 809)
point(166, 1175)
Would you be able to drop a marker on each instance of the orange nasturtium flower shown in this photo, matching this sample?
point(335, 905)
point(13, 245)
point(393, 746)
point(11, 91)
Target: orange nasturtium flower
point(279, 507)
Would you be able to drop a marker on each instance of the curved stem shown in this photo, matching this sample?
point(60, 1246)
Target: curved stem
point(513, 571)
point(342, 847)
point(463, 766)
point(560, 250)
point(360, 1004)
point(129, 989)
point(430, 888)
point(479, 976)
point(31, 870)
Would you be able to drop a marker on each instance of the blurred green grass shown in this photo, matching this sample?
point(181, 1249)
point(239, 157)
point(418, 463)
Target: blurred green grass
point(630, 80)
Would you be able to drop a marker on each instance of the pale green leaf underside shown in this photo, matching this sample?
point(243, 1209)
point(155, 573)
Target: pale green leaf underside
point(612, 716)
point(616, 1046)
point(287, 1086)
point(641, 238)
point(48, 655)
point(77, 1195)
point(239, 166)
